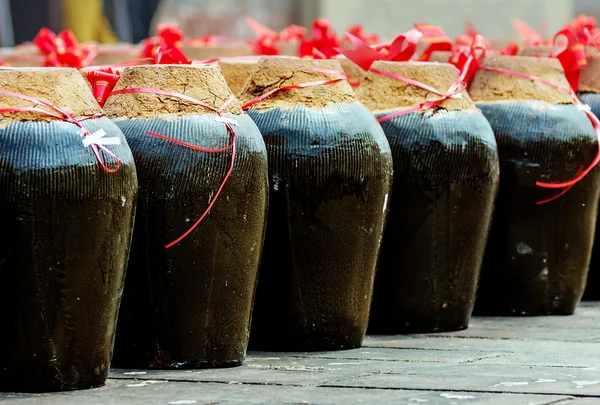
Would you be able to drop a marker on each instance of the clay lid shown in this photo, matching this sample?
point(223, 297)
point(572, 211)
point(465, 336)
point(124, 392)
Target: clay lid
point(272, 73)
point(202, 82)
point(237, 72)
point(488, 86)
point(355, 72)
point(60, 87)
point(383, 94)
point(205, 52)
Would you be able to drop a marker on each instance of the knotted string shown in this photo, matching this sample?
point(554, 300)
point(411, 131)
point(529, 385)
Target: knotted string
point(96, 140)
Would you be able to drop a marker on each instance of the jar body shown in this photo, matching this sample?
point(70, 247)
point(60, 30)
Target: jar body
point(64, 247)
point(592, 291)
point(190, 306)
point(445, 184)
point(538, 255)
point(330, 174)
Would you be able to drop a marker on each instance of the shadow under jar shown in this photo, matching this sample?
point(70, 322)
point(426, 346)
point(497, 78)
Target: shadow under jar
point(445, 184)
point(330, 170)
point(538, 254)
point(65, 235)
point(189, 306)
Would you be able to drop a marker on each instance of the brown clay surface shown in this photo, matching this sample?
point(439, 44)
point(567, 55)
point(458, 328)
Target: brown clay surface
point(203, 82)
point(60, 87)
point(237, 72)
point(380, 93)
point(488, 86)
point(355, 72)
point(200, 53)
point(272, 73)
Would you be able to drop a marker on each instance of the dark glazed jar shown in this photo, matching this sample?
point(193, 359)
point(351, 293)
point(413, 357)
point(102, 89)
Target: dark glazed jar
point(330, 170)
point(445, 184)
point(589, 93)
point(65, 236)
point(538, 254)
point(189, 306)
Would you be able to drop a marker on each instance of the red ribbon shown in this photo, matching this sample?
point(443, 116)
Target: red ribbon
point(323, 39)
point(400, 49)
point(103, 81)
point(572, 58)
point(341, 76)
point(63, 49)
point(165, 48)
point(65, 116)
point(436, 38)
point(232, 145)
point(469, 63)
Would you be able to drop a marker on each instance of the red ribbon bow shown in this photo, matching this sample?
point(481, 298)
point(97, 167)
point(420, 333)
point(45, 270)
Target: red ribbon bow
point(63, 50)
point(400, 49)
point(103, 81)
point(165, 48)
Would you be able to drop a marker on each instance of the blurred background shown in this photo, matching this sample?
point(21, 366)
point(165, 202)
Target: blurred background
point(108, 21)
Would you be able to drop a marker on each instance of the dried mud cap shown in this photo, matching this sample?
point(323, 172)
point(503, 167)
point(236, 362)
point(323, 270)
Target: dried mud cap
point(202, 82)
point(237, 72)
point(60, 87)
point(489, 86)
point(383, 94)
point(272, 73)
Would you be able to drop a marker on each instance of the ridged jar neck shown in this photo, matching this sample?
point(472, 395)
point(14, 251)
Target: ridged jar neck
point(202, 82)
point(60, 87)
point(380, 93)
point(273, 73)
point(491, 86)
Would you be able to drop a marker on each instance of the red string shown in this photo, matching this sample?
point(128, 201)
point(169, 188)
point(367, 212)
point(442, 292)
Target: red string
point(65, 116)
point(341, 76)
point(567, 185)
point(231, 146)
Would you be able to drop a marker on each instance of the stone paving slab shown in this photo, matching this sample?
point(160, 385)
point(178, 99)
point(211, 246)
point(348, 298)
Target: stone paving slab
point(118, 392)
point(504, 361)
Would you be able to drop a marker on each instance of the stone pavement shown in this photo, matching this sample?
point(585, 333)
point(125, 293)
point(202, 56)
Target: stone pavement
point(505, 361)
